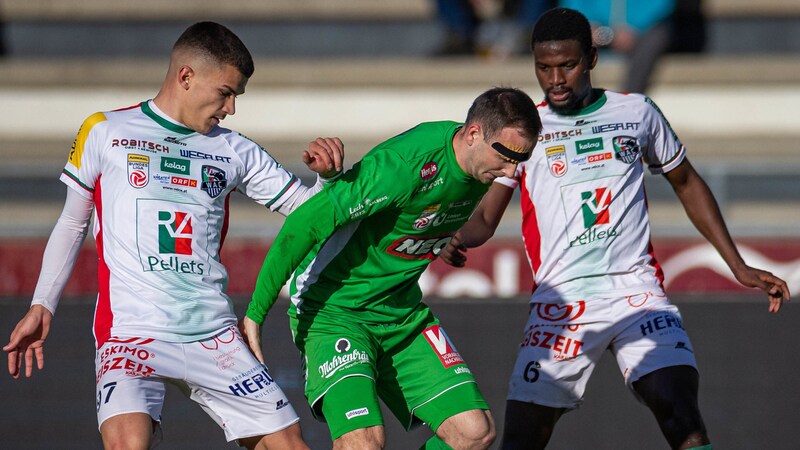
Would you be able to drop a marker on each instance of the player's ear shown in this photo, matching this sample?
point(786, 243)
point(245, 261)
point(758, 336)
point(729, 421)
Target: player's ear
point(185, 76)
point(474, 133)
point(592, 58)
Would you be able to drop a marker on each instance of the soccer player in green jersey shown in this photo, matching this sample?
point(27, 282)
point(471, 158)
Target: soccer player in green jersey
point(357, 251)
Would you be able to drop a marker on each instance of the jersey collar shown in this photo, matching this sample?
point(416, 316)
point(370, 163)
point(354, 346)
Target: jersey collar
point(148, 111)
point(597, 104)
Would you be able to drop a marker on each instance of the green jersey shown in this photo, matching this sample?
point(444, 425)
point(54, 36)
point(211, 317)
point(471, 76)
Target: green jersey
point(392, 213)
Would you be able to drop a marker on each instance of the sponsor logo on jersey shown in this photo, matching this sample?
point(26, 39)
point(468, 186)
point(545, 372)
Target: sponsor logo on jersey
point(193, 154)
point(460, 204)
point(594, 205)
point(416, 247)
point(595, 209)
point(589, 145)
point(258, 385)
point(165, 238)
point(626, 148)
point(661, 323)
point(559, 135)
point(220, 340)
point(356, 413)
point(174, 140)
point(427, 187)
point(281, 404)
point(139, 144)
point(138, 170)
point(131, 367)
point(563, 347)
point(343, 361)
point(432, 216)
point(426, 218)
point(174, 233)
point(342, 345)
point(582, 122)
point(361, 208)
point(553, 312)
point(180, 181)
point(429, 170)
point(598, 157)
point(606, 127)
point(175, 165)
point(683, 346)
point(127, 356)
point(214, 180)
point(441, 344)
point(557, 160)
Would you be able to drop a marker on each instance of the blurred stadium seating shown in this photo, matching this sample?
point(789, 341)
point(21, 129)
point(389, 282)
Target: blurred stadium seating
point(360, 69)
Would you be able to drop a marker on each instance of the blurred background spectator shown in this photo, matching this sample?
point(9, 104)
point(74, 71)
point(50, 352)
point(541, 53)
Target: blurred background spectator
point(498, 28)
point(643, 31)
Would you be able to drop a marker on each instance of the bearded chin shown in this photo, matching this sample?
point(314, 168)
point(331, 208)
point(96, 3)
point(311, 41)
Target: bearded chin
point(570, 106)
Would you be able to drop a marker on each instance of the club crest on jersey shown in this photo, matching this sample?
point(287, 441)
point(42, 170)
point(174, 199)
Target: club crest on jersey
point(557, 160)
point(426, 218)
point(429, 171)
point(138, 170)
point(626, 148)
point(441, 344)
point(214, 180)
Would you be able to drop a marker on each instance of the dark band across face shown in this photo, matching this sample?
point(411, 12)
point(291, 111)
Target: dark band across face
point(511, 155)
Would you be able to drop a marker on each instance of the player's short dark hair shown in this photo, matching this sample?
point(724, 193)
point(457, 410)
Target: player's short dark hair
point(505, 107)
point(560, 24)
point(218, 43)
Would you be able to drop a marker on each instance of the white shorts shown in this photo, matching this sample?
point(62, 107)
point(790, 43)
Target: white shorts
point(219, 373)
point(563, 343)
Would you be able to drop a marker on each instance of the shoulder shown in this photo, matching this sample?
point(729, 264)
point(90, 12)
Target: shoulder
point(421, 142)
point(241, 145)
point(634, 101)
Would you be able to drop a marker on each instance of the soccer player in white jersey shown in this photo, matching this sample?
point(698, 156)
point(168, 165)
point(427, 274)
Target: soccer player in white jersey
point(158, 176)
point(597, 284)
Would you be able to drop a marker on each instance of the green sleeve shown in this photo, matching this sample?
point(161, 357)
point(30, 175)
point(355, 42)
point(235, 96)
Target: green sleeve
point(314, 221)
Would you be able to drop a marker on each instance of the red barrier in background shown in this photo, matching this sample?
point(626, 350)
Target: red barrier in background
point(498, 269)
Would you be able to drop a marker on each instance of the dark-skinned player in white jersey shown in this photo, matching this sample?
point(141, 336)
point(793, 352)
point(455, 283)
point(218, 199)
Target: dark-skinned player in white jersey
point(597, 284)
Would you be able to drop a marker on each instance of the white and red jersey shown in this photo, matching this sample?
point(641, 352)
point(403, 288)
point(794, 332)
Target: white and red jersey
point(585, 223)
point(161, 210)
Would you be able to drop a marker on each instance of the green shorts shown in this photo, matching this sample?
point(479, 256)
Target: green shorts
point(413, 366)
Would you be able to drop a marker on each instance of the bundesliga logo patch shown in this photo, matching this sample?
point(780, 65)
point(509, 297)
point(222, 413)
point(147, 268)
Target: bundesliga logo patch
point(138, 170)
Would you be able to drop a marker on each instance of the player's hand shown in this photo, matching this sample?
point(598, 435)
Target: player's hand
point(454, 252)
point(775, 287)
point(27, 340)
point(325, 156)
point(251, 332)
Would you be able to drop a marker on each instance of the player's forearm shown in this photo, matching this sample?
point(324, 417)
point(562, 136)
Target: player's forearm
point(309, 224)
point(301, 195)
point(703, 211)
point(62, 251)
point(483, 223)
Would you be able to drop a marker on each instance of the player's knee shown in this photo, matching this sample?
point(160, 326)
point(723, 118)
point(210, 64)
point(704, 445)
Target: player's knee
point(468, 430)
point(369, 438)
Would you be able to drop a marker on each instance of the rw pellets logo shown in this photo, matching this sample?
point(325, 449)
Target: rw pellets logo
point(174, 232)
point(595, 207)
